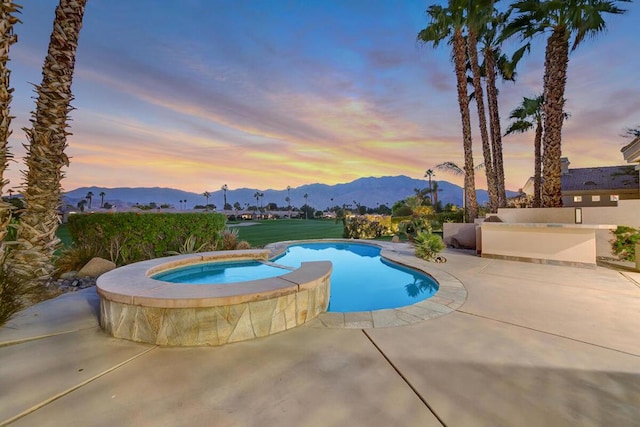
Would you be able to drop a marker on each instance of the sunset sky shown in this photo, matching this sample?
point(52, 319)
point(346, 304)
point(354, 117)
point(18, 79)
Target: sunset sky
point(264, 94)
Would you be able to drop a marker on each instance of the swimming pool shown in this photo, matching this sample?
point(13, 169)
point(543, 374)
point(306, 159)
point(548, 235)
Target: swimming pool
point(362, 280)
point(221, 273)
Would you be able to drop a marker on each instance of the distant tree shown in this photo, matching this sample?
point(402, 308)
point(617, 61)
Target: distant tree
point(308, 211)
point(272, 206)
point(206, 195)
point(89, 197)
point(429, 174)
point(306, 202)
point(10, 191)
point(81, 204)
point(224, 189)
point(237, 206)
point(102, 194)
point(434, 193)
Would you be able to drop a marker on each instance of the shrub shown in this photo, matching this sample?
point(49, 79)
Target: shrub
point(359, 227)
point(624, 244)
point(403, 211)
point(130, 237)
point(414, 226)
point(428, 246)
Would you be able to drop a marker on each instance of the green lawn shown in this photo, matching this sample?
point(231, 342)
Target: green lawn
point(63, 234)
point(288, 229)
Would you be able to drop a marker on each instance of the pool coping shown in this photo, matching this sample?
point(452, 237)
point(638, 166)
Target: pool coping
point(450, 296)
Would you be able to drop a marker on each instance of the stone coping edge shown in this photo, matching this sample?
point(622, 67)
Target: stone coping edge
point(132, 284)
point(450, 296)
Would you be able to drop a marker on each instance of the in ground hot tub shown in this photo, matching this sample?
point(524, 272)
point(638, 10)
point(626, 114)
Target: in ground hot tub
point(136, 307)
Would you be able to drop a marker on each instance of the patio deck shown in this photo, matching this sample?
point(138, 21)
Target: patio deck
point(532, 345)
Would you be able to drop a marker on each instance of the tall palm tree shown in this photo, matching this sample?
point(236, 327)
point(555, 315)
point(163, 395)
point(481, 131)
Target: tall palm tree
point(306, 202)
point(564, 20)
point(288, 199)
point(496, 63)
point(477, 17)
point(434, 191)
point(206, 195)
point(89, 197)
point(7, 20)
point(224, 189)
point(526, 116)
point(47, 140)
point(429, 174)
point(102, 194)
point(448, 23)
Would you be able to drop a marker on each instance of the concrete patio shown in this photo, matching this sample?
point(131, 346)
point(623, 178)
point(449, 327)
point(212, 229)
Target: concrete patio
point(532, 345)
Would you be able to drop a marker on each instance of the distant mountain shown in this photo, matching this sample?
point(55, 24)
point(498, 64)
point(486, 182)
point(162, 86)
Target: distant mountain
point(364, 191)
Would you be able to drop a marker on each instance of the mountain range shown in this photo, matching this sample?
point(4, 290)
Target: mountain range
point(371, 192)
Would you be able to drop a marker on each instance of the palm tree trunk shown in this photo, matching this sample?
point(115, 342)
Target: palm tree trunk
point(537, 175)
point(555, 79)
point(7, 21)
point(472, 47)
point(494, 125)
point(459, 58)
point(45, 156)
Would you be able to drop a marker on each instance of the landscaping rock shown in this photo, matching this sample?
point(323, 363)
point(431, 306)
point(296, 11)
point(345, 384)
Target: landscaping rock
point(96, 267)
point(69, 275)
point(395, 239)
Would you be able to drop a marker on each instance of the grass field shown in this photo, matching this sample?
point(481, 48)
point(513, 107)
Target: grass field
point(294, 229)
point(265, 231)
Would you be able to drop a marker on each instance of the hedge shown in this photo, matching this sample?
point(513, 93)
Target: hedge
point(130, 236)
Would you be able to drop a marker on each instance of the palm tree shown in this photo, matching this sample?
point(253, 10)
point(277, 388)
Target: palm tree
point(288, 199)
point(257, 195)
point(526, 116)
point(429, 174)
point(495, 62)
point(478, 15)
point(447, 23)
point(89, 197)
point(224, 189)
point(434, 194)
point(206, 195)
point(306, 202)
point(7, 21)
point(81, 204)
point(47, 140)
point(564, 20)
point(102, 194)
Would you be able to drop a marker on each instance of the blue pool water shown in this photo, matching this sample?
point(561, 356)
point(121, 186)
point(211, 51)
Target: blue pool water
point(221, 273)
point(361, 280)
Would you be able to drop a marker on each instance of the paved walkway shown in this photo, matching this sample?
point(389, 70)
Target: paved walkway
point(532, 345)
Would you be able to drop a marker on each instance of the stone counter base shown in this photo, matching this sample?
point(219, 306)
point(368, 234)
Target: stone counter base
point(213, 325)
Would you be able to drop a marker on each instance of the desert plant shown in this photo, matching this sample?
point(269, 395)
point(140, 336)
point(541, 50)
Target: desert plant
point(624, 243)
point(228, 239)
point(243, 244)
point(428, 246)
point(189, 246)
point(74, 257)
